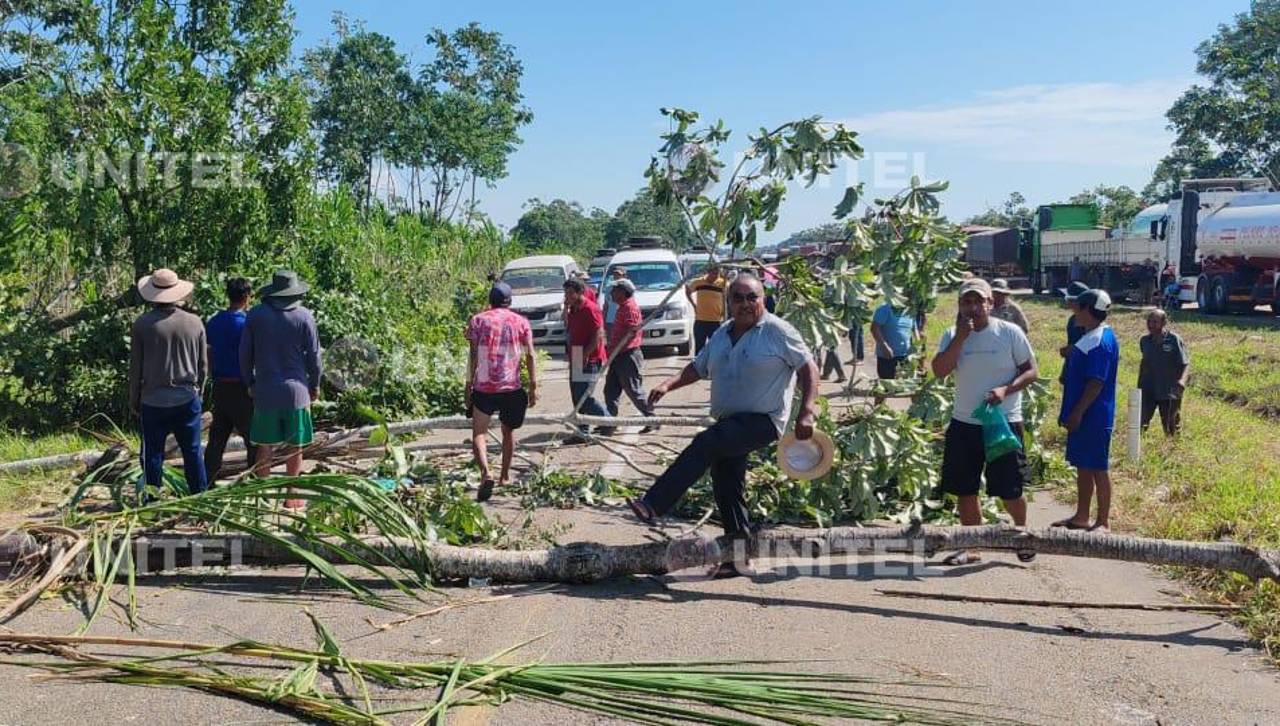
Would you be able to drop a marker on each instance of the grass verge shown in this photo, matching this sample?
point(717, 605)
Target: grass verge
point(23, 492)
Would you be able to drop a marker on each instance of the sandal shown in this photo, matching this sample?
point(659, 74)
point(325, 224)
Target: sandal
point(963, 557)
point(485, 491)
point(643, 511)
point(1100, 528)
point(1069, 523)
point(1026, 555)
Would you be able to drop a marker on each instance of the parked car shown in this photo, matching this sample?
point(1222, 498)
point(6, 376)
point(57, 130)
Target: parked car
point(537, 293)
point(694, 262)
point(655, 272)
point(595, 269)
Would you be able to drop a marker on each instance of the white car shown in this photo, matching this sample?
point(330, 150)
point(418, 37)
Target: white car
point(537, 293)
point(655, 273)
point(694, 264)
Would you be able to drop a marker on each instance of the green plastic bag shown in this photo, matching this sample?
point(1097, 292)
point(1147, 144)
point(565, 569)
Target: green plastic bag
point(998, 438)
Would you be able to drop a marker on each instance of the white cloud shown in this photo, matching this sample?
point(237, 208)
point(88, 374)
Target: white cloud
point(1107, 124)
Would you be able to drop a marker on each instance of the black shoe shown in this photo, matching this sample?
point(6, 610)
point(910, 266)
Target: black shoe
point(581, 437)
point(485, 491)
point(606, 431)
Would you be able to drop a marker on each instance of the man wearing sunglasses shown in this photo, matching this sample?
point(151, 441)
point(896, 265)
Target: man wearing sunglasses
point(753, 361)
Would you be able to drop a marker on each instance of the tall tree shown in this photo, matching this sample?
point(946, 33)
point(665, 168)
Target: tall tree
point(1231, 126)
point(1117, 206)
point(469, 109)
point(361, 87)
point(544, 224)
point(640, 215)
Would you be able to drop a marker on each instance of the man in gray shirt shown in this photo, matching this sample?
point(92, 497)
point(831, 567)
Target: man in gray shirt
point(280, 363)
point(168, 364)
point(753, 362)
point(1162, 374)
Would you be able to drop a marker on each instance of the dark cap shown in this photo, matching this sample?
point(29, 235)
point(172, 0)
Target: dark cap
point(1074, 290)
point(500, 294)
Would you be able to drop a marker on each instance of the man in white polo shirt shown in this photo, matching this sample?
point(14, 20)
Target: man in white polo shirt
point(992, 362)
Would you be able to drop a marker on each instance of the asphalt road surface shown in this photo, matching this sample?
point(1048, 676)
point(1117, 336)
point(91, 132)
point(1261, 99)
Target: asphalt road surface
point(1041, 665)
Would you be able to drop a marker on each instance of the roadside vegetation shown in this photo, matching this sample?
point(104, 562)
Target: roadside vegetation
point(1220, 479)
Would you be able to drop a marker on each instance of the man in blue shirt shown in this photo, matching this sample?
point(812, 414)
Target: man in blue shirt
point(231, 404)
point(1089, 409)
point(893, 331)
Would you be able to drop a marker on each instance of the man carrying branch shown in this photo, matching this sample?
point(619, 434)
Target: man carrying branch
point(753, 362)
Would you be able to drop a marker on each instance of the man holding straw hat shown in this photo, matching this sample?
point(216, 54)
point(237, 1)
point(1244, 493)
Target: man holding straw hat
point(168, 364)
point(753, 361)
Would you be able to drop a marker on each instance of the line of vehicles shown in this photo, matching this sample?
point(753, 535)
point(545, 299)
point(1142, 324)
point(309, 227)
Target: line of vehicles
point(1218, 239)
point(537, 287)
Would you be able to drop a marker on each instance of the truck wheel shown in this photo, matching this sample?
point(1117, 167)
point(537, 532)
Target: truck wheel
point(1218, 295)
point(1202, 294)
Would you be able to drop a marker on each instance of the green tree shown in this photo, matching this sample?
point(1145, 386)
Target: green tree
point(468, 110)
point(1117, 206)
point(360, 89)
point(1231, 126)
point(1013, 213)
point(816, 235)
point(639, 216)
point(562, 224)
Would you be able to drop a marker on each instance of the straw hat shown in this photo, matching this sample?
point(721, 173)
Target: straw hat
point(808, 459)
point(163, 286)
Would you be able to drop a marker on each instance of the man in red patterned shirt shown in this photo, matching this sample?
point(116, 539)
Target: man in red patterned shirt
point(500, 338)
point(625, 336)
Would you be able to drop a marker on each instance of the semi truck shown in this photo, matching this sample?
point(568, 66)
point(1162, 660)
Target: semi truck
point(1067, 242)
point(1222, 239)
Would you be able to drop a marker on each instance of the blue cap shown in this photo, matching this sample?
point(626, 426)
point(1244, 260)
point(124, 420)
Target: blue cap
point(500, 294)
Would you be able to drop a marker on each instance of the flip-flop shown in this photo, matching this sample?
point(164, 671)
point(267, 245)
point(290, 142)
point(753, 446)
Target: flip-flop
point(1026, 555)
point(643, 511)
point(1068, 524)
point(485, 491)
point(1100, 528)
point(963, 557)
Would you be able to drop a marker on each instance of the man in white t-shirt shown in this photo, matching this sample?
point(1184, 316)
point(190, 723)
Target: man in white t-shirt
point(992, 362)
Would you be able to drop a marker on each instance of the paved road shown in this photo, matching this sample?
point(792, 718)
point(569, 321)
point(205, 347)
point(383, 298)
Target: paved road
point(1043, 665)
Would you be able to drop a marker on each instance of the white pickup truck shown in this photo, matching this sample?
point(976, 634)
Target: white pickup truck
point(655, 272)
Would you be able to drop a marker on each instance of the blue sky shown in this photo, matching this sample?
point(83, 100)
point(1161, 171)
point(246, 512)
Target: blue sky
point(1042, 97)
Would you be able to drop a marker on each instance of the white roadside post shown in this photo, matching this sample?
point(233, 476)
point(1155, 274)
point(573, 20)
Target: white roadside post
point(1135, 424)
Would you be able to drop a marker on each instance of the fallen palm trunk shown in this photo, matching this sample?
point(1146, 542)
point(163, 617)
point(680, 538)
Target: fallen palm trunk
point(591, 562)
point(330, 442)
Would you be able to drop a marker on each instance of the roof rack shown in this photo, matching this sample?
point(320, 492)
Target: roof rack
point(645, 242)
point(604, 251)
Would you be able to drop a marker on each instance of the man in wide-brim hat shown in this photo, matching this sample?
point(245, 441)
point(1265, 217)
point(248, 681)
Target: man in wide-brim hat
point(280, 362)
point(168, 364)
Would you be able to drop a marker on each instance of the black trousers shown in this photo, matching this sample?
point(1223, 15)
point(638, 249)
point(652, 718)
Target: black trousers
point(722, 448)
point(702, 330)
point(232, 411)
point(624, 376)
point(1170, 413)
point(831, 364)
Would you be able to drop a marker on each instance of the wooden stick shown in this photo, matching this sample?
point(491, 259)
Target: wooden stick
point(1074, 605)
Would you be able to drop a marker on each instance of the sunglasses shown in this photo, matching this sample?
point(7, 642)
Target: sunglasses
point(750, 297)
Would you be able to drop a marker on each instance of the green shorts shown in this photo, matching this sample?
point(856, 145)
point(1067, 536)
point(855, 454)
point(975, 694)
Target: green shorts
point(275, 426)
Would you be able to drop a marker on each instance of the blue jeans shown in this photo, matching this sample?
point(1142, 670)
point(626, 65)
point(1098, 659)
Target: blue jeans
point(855, 341)
point(722, 448)
point(184, 423)
point(584, 383)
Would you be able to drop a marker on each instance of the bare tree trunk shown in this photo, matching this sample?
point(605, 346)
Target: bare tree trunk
point(591, 562)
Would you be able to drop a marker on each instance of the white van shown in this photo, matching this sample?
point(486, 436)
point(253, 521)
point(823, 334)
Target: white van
point(537, 293)
point(655, 272)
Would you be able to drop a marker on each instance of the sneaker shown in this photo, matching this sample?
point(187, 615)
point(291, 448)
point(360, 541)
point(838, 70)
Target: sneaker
point(606, 430)
point(650, 429)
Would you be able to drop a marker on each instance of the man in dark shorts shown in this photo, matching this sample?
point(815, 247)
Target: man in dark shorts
point(992, 361)
point(500, 339)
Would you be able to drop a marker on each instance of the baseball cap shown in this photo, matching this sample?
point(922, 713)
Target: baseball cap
point(625, 284)
point(1000, 285)
point(976, 284)
point(1096, 300)
point(500, 294)
point(1074, 290)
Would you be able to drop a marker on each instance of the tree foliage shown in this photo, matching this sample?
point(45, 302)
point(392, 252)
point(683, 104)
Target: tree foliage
point(1229, 126)
point(562, 223)
point(1117, 205)
point(1013, 213)
point(641, 215)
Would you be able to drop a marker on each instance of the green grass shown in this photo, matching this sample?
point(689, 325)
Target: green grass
point(1221, 477)
point(23, 492)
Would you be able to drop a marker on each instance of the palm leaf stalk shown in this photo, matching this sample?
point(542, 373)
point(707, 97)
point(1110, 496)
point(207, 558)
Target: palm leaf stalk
point(728, 693)
point(343, 512)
